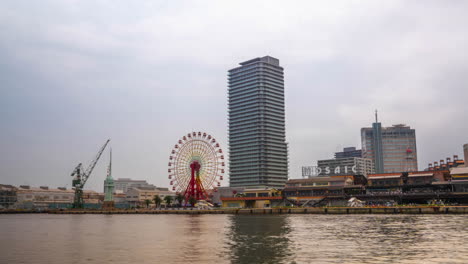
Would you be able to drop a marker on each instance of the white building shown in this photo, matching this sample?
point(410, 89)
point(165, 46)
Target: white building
point(138, 195)
point(123, 184)
point(44, 197)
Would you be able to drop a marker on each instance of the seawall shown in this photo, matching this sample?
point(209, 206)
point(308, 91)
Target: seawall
point(311, 210)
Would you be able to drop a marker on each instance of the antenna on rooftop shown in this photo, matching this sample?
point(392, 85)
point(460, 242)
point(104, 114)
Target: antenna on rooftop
point(376, 120)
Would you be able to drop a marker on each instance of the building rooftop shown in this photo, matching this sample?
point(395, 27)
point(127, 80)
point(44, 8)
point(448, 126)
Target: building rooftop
point(39, 189)
point(459, 170)
point(267, 59)
point(317, 179)
point(6, 187)
point(384, 174)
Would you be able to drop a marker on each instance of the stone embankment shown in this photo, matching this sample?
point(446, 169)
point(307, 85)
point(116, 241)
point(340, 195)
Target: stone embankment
point(311, 210)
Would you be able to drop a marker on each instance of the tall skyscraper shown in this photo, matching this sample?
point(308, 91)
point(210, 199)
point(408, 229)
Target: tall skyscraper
point(258, 155)
point(393, 149)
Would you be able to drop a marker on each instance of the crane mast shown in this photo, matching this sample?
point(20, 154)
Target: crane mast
point(80, 177)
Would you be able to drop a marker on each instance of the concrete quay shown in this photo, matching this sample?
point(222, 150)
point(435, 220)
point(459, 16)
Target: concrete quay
point(310, 210)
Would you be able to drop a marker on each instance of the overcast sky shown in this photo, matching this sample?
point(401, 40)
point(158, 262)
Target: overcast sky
point(144, 73)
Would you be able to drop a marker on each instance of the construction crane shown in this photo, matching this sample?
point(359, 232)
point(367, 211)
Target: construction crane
point(80, 177)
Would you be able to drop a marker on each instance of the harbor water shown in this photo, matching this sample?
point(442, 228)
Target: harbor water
point(45, 238)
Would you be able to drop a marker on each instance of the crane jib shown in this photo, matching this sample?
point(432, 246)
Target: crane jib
point(80, 177)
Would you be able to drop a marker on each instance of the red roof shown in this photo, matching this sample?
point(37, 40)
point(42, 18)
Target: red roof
point(250, 198)
point(419, 172)
point(384, 174)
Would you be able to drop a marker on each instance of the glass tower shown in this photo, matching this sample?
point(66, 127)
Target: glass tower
point(393, 149)
point(258, 155)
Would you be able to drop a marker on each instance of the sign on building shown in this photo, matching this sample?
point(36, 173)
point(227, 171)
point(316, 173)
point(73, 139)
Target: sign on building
point(314, 171)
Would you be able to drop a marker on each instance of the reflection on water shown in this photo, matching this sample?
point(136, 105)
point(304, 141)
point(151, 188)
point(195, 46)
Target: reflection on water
point(380, 238)
point(258, 238)
point(233, 239)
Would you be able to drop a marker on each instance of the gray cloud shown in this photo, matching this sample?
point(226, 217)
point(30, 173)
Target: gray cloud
point(144, 74)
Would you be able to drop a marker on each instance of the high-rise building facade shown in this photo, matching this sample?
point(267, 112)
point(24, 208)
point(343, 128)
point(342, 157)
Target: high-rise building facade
point(257, 137)
point(350, 152)
point(393, 149)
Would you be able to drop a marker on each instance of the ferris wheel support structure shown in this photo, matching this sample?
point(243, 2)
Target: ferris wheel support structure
point(196, 166)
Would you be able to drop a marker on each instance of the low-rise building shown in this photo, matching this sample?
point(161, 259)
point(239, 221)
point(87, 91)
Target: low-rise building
point(225, 192)
point(254, 198)
point(460, 179)
point(123, 184)
point(7, 196)
point(315, 190)
point(385, 179)
point(43, 197)
point(137, 196)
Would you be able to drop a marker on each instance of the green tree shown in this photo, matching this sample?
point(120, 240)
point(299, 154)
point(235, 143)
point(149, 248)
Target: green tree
point(168, 200)
point(192, 201)
point(179, 198)
point(147, 202)
point(157, 200)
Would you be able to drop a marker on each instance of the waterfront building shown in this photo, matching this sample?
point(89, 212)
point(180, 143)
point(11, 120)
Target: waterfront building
point(418, 187)
point(348, 153)
point(460, 174)
point(319, 191)
point(446, 164)
point(257, 138)
point(225, 192)
point(123, 184)
point(460, 178)
point(465, 151)
point(393, 149)
point(254, 198)
point(43, 197)
point(385, 180)
point(7, 196)
point(345, 166)
point(136, 196)
point(412, 182)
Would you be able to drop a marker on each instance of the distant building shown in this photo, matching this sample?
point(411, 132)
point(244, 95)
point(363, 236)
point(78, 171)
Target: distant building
point(136, 196)
point(348, 153)
point(460, 174)
point(45, 197)
point(465, 151)
point(413, 182)
point(393, 149)
point(315, 190)
point(258, 155)
point(7, 196)
point(446, 164)
point(225, 192)
point(123, 184)
point(346, 166)
point(254, 198)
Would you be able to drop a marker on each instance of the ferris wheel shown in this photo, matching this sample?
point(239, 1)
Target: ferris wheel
point(196, 164)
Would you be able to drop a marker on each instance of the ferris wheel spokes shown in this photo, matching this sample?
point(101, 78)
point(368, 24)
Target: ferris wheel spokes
point(196, 164)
